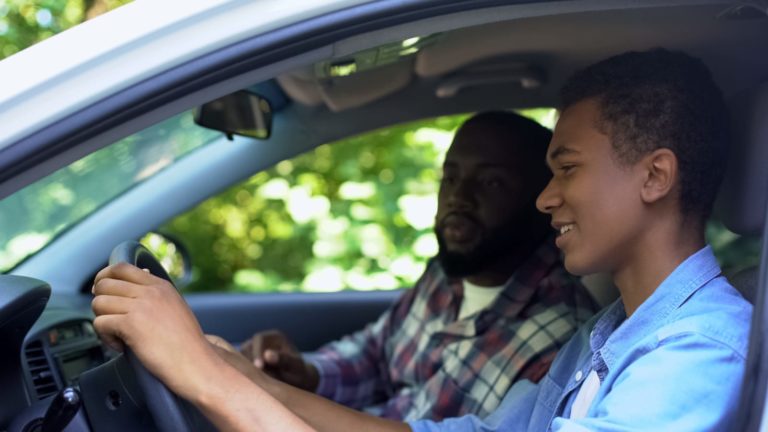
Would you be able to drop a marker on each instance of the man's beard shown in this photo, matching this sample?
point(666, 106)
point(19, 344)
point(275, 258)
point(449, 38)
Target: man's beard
point(494, 245)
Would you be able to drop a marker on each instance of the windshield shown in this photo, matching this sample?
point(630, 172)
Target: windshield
point(32, 217)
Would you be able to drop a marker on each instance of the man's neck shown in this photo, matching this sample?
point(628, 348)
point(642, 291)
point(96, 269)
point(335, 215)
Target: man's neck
point(499, 272)
point(662, 250)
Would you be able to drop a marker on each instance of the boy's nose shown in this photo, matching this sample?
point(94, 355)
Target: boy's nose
point(549, 199)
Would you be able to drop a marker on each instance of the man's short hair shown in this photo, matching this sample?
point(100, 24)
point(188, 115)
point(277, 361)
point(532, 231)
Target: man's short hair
point(661, 99)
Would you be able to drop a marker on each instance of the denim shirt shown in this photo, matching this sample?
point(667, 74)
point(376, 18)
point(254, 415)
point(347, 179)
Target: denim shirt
point(676, 364)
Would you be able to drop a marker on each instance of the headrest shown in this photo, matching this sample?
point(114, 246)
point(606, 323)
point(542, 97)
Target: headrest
point(741, 203)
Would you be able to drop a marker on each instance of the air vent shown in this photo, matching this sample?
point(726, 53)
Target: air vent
point(39, 370)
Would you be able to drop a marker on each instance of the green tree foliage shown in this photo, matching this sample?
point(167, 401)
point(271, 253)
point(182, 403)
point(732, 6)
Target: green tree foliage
point(354, 214)
point(26, 22)
point(33, 216)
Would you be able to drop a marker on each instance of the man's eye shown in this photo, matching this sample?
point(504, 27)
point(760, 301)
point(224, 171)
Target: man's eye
point(565, 169)
point(493, 182)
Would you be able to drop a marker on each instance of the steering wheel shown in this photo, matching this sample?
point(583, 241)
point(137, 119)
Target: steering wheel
point(170, 413)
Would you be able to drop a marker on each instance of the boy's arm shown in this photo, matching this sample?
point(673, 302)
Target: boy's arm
point(136, 309)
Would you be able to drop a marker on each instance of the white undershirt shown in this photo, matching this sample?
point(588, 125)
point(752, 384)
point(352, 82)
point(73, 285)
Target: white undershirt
point(585, 396)
point(477, 297)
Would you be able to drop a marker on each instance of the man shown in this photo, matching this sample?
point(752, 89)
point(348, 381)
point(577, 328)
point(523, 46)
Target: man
point(637, 160)
point(497, 297)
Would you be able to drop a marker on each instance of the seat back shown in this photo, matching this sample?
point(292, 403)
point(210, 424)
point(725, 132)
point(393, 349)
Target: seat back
point(741, 203)
point(745, 281)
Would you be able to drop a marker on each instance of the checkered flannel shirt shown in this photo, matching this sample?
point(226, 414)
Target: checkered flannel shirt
point(418, 361)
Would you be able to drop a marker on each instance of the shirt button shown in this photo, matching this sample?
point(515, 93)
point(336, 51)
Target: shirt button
point(578, 376)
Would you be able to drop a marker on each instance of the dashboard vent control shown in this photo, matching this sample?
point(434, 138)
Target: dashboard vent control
point(39, 370)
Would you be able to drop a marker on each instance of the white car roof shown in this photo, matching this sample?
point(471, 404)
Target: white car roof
point(123, 47)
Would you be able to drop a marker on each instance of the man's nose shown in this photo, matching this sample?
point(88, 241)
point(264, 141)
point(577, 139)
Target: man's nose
point(549, 199)
point(462, 196)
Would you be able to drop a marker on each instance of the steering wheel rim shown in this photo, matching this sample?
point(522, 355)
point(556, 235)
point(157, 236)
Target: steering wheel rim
point(167, 410)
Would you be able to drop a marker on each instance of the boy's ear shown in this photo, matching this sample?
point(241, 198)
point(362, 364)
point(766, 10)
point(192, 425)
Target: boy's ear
point(660, 168)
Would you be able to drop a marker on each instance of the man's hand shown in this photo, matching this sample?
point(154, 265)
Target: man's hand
point(272, 352)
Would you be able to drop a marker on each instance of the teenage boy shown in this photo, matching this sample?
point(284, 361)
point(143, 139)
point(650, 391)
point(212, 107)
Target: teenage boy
point(637, 159)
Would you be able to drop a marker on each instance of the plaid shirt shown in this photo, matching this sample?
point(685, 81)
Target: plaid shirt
point(418, 361)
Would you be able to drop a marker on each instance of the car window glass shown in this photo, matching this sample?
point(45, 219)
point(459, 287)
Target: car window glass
point(733, 252)
point(354, 214)
point(33, 216)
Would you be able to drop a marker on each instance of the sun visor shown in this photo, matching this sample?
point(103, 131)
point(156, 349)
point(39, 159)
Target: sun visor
point(359, 89)
point(301, 88)
point(349, 91)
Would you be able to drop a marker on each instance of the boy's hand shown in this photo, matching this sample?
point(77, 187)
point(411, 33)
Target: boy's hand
point(144, 312)
point(272, 352)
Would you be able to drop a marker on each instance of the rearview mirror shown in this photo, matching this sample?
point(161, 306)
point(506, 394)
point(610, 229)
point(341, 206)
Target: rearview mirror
point(240, 113)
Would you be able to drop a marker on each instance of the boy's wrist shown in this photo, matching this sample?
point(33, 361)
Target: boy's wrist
point(209, 369)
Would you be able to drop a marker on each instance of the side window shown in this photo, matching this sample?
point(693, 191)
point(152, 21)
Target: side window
point(354, 214)
point(734, 252)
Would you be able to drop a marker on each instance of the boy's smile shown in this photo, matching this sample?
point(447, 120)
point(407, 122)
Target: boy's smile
point(562, 232)
point(593, 199)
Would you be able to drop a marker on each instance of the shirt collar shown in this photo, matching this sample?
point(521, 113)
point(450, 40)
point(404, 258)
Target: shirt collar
point(522, 285)
point(614, 334)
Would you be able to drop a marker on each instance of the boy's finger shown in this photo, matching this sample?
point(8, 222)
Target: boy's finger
point(108, 329)
point(116, 287)
point(110, 305)
point(127, 272)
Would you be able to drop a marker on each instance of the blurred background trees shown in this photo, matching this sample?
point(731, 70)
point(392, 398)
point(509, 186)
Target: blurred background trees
point(355, 214)
point(26, 22)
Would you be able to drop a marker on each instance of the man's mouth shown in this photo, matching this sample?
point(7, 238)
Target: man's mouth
point(458, 228)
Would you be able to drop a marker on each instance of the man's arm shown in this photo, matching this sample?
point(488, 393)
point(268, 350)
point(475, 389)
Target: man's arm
point(136, 309)
point(351, 371)
point(354, 370)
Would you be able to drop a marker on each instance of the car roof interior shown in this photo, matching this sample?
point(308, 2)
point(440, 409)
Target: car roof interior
point(520, 62)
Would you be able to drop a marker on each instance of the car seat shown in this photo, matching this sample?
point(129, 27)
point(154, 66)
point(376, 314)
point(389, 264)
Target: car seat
point(741, 203)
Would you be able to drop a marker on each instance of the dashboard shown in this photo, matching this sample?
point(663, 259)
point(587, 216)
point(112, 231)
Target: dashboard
point(54, 357)
point(48, 343)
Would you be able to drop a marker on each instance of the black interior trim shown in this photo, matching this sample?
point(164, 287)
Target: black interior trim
point(755, 384)
point(323, 316)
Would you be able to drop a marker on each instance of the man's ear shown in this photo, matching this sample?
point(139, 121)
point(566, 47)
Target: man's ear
point(661, 170)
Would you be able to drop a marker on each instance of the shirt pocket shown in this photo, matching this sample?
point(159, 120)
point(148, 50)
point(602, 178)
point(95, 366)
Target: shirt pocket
point(547, 400)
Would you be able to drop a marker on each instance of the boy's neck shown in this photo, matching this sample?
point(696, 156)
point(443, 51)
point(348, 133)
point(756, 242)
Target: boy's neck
point(659, 253)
